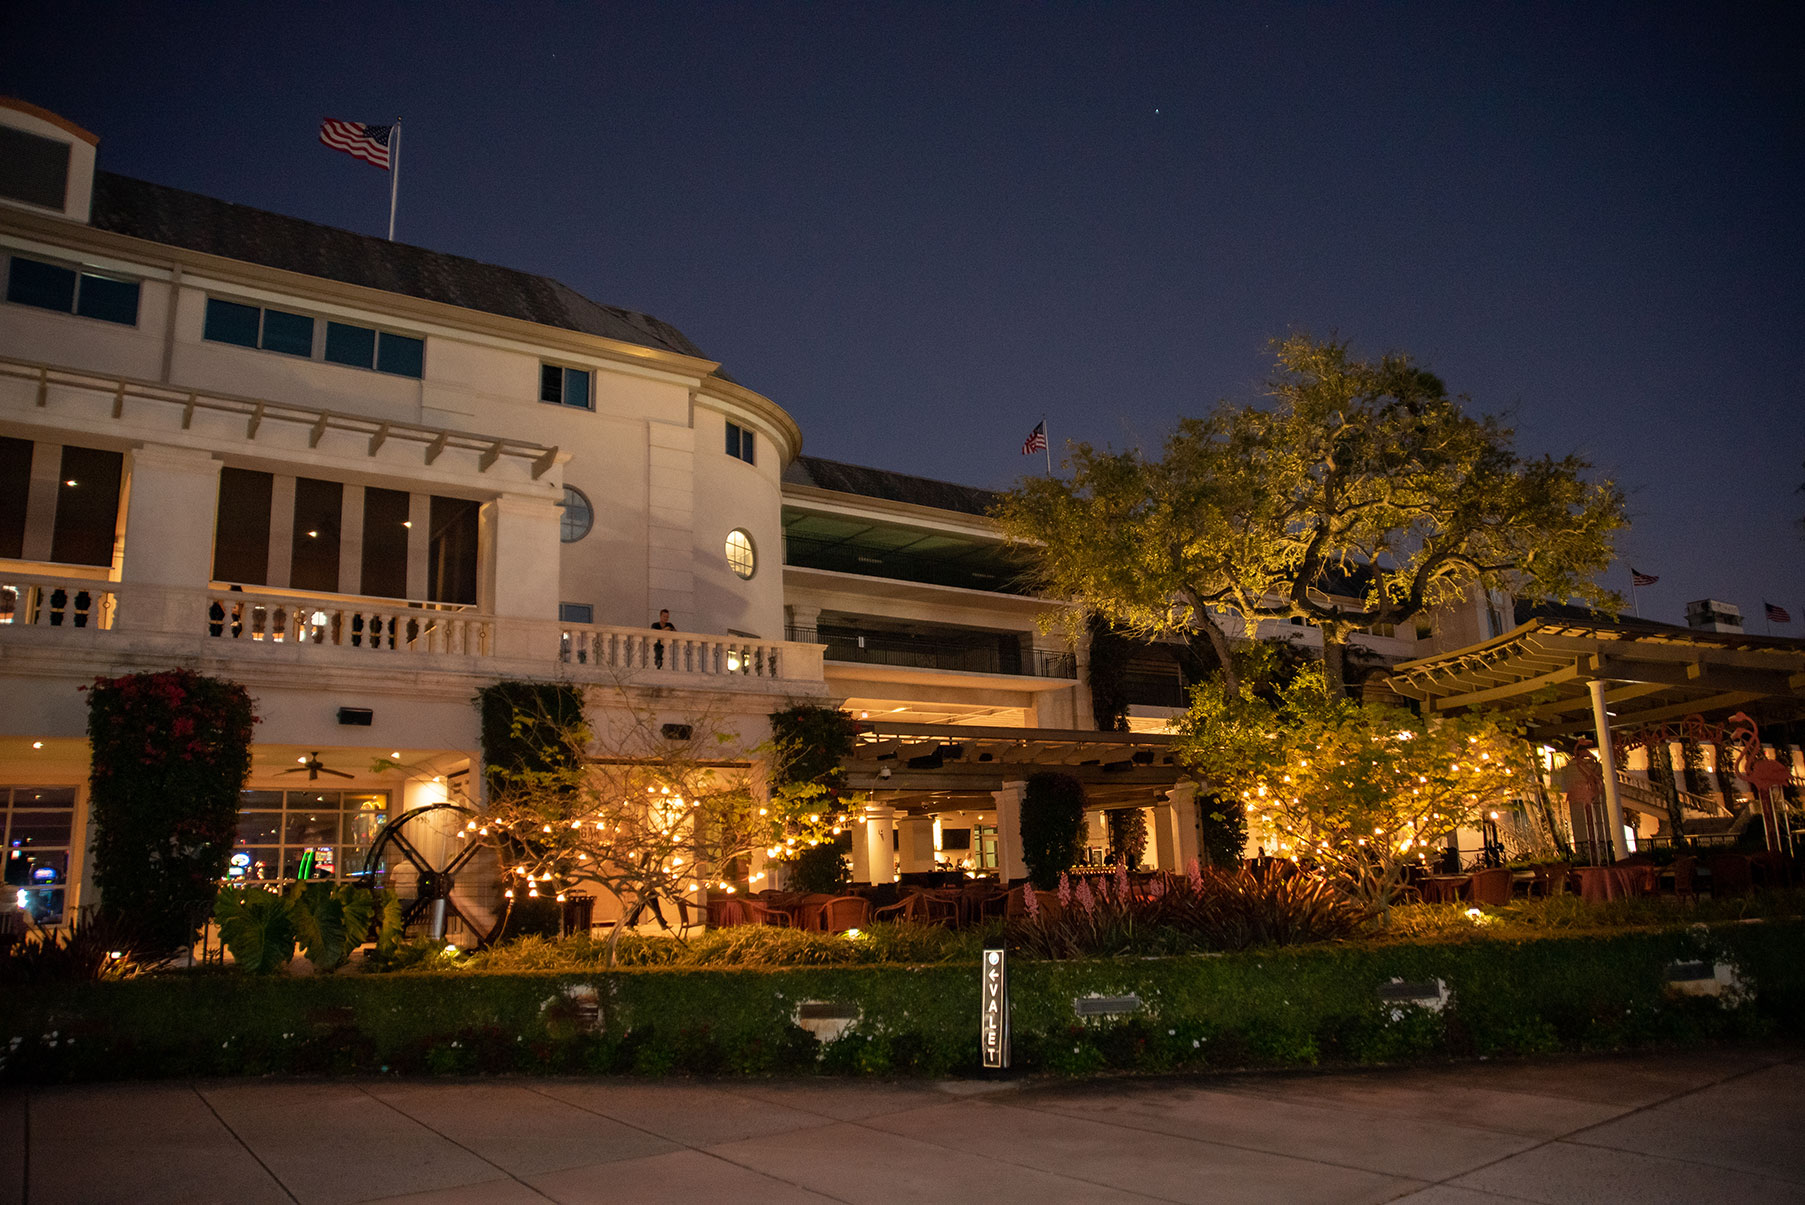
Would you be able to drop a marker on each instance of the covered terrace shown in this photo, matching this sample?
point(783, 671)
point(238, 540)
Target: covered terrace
point(1566, 678)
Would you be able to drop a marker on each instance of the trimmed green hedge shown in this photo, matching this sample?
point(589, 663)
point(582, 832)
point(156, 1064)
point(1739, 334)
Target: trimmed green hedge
point(1274, 1008)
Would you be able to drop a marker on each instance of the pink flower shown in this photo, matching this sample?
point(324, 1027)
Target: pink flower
point(1194, 872)
point(1086, 900)
point(1065, 891)
point(1031, 901)
point(1121, 882)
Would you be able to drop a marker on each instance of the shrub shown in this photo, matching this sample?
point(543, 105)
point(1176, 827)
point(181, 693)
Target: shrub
point(821, 869)
point(171, 752)
point(327, 920)
point(1127, 836)
point(1052, 826)
point(93, 946)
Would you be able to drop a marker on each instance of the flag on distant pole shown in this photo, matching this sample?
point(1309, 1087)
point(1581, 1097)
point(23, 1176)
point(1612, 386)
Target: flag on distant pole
point(1037, 442)
point(1776, 614)
point(1642, 579)
point(366, 142)
point(380, 145)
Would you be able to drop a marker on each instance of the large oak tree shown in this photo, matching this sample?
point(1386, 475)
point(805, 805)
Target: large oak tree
point(1360, 493)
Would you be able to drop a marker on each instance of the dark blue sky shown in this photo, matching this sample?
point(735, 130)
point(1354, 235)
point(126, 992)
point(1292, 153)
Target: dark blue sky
point(920, 228)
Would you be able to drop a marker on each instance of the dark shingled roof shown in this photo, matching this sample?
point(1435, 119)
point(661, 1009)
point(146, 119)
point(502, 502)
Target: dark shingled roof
point(1527, 609)
point(184, 219)
point(893, 487)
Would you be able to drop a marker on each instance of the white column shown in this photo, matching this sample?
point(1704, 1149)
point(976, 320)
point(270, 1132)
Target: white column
point(1613, 803)
point(880, 845)
point(281, 530)
point(419, 545)
point(861, 853)
point(518, 552)
point(171, 495)
point(800, 615)
point(1181, 802)
point(351, 540)
point(1009, 830)
point(917, 844)
point(41, 499)
point(1165, 838)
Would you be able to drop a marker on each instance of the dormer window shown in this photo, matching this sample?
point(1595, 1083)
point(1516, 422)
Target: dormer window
point(34, 170)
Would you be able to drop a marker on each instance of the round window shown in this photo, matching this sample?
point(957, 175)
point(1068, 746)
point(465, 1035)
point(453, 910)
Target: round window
point(578, 518)
point(740, 557)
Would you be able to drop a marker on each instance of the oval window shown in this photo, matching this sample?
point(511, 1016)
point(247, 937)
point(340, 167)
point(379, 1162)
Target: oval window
point(578, 517)
point(740, 557)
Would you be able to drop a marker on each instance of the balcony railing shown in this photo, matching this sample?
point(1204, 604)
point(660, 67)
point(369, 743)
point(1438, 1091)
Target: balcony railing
point(367, 624)
point(874, 648)
point(673, 653)
point(341, 629)
point(56, 602)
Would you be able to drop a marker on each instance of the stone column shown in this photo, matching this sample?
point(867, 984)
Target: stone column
point(518, 581)
point(171, 495)
point(801, 616)
point(917, 844)
point(1009, 830)
point(1181, 805)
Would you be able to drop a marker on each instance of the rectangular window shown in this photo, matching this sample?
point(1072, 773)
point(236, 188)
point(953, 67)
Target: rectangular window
point(45, 286)
point(87, 507)
point(35, 827)
point(290, 334)
point(361, 347)
point(15, 491)
point(451, 554)
point(229, 322)
point(564, 386)
point(385, 543)
point(323, 834)
point(740, 443)
point(33, 169)
point(241, 530)
point(576, 613)
point(318, 508)
point(401, 355)
point(67, 291)
point(353, 345)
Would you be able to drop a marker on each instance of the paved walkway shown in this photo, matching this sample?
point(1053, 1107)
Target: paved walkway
point(1721, 1126)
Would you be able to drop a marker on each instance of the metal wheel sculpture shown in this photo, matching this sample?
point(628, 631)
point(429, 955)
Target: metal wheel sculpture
point(433, 854)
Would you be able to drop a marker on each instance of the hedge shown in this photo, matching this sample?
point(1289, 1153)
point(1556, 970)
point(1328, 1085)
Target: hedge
point(1275, 1008)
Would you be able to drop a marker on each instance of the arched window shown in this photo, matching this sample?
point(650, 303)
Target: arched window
point(578, 518)
point(740, 557)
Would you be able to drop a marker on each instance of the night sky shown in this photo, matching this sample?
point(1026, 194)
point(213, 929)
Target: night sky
point(921, 228)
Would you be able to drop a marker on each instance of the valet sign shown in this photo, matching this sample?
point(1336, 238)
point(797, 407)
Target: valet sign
point(993, 1021)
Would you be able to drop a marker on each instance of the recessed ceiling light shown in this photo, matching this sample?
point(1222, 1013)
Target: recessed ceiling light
point(37, 744)
point(396, 753)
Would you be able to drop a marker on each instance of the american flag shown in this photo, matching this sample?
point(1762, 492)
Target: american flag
point(1776, 614)
point(369, 143)
point(1642, 579)
point(1037, 439)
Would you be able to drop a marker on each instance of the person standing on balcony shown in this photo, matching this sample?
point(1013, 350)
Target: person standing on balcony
point(664, 624)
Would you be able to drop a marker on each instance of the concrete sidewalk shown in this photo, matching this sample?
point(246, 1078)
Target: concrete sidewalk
point(1703, 1127)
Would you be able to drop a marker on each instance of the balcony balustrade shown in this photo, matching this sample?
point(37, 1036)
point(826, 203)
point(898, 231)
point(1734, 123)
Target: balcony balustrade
point(879, 648)
point(91, 615)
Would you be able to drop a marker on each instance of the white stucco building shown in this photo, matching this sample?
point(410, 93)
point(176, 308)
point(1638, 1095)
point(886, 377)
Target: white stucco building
point(365, 479)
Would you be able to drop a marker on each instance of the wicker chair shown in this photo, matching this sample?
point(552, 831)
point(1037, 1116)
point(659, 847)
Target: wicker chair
point(844, 912)
point(1491, 886)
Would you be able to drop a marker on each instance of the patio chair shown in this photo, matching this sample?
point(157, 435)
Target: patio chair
point(1729, 875)
point(907, 908)
point(844, 912)
point(760, 913)
point(1684, 879)
point(1491, 886)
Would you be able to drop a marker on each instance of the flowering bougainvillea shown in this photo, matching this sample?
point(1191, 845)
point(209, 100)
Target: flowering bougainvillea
point(171, 752)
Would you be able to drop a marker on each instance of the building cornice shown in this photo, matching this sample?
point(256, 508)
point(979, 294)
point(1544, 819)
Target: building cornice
point(813, 497)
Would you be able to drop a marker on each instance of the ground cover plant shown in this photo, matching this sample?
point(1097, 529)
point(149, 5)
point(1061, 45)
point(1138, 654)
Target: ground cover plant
point(1323, 1004)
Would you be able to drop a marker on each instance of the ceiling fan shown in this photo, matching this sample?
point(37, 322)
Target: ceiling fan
point(314, 768)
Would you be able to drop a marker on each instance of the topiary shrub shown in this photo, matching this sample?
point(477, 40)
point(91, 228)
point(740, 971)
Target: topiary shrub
point(171, 752)
point(1052, 826)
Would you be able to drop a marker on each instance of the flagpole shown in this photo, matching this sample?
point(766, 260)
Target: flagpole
point(1047, 444)
point(1635, 601)
point(394, 176)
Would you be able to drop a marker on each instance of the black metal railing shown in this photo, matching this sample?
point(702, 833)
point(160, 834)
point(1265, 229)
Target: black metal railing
point(1002, 655)
point(996, 573)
